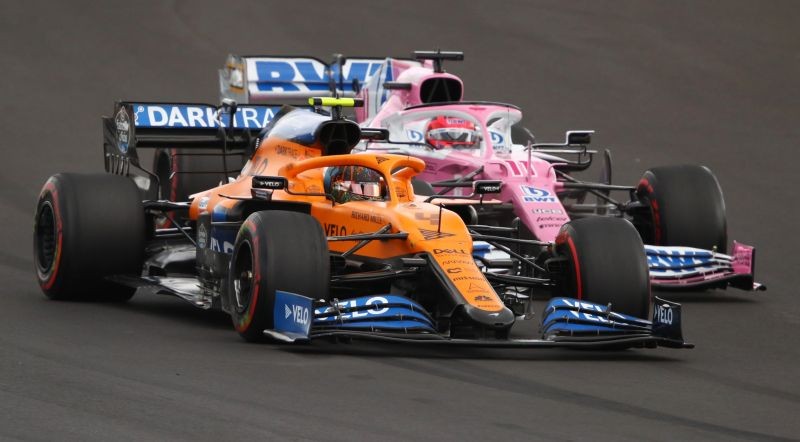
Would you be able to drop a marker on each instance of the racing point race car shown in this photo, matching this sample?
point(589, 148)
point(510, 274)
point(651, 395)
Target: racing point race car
point(419, 108)
point(309, 241)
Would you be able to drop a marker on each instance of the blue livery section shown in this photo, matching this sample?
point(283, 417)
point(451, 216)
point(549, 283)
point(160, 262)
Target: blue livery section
point(497, 138)
point(674, 258)
point(292, 314)
point(667, 320)
point(566, 317)
point(683, 262)
point(222, 239)
point(533, 194)
point(481, 249)
point(573, 317)
point(298, 126)
point(306, 75)
point(566, 323)
point(219, 213)
point(379, 312)
point(200, 116)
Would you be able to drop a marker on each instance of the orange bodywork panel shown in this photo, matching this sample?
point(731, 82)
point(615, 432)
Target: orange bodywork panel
point(440, 233)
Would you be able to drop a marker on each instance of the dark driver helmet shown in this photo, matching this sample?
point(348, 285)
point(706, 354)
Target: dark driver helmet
point(353, 183)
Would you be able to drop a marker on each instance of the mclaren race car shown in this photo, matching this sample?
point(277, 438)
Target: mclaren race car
point(308, 241)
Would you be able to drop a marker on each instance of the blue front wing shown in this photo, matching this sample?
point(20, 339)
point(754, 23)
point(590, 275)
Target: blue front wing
point(566, 323)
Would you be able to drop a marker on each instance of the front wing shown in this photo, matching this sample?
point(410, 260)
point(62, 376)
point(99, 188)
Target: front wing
point(691, 268)
point(681, 268)
point(566, 323)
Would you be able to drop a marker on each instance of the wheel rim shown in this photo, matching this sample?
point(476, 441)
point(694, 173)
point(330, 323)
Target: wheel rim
point(46, 238)
point(243, 277)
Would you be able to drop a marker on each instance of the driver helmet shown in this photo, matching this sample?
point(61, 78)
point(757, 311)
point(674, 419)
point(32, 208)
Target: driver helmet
point(448, 132)
point(355, 183)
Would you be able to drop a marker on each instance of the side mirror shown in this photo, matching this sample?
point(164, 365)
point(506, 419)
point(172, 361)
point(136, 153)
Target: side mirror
point(374, 134)
point(270, 182)
point(483, 187)
point(396, 86)
point(479, 187)
point(579, 137)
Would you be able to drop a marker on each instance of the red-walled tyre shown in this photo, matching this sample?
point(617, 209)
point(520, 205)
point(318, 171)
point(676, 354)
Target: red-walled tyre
point(275, 250)
point(88, 227)
point(606, 263)
point(683, 207)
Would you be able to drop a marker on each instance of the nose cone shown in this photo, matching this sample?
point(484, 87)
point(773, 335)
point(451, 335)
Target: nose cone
point(500, 320)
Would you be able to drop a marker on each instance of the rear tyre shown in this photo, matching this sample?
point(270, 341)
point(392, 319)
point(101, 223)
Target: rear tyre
point(606, 263)
point(684, 207)
point(88, 227)
point(275, 250)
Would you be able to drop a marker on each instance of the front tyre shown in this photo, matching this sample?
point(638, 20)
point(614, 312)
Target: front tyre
point(275, 250)
point(683, 207)
point(88, 227)
point(605, 264)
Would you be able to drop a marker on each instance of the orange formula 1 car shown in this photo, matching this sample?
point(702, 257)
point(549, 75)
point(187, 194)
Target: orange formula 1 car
point(309, 242)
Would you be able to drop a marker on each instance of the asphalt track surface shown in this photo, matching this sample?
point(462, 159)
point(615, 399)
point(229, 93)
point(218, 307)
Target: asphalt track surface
point(662, 82)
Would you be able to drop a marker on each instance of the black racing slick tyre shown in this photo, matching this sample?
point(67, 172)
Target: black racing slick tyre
point(683, 207)
point(606, 263)
point(88, 227)
point(275, 250)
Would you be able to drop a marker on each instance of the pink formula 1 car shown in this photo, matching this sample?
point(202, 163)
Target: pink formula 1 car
point(424, 116)
point(413, 107)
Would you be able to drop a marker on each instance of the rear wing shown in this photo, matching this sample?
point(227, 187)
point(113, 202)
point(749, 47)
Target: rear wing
point(135, 125)
point(289, 79)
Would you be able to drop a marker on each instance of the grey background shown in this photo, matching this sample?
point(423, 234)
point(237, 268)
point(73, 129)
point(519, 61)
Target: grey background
point(714, 83)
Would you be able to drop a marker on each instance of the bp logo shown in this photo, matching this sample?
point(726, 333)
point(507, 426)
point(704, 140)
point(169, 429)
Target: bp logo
point(123, 123)
point(497, 138)
point(536, 195)
point(415, 136)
